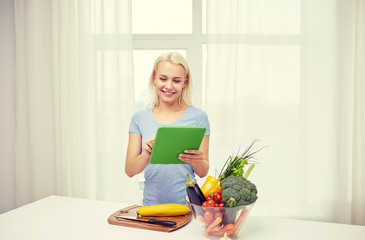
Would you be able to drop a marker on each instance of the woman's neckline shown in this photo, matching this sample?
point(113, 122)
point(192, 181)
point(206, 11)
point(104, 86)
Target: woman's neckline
point(168, 123)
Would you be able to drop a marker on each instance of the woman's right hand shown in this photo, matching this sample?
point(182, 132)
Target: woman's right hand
point(148, 145)
point(135, 161)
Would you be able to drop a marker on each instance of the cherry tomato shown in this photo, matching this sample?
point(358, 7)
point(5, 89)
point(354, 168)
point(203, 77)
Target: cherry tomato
point(204, 205)
point(221, 204)
point(210, 203)
point(216, 207)
point(217, 197)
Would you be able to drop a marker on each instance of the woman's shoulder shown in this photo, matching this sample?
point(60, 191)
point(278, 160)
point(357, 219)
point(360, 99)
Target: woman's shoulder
point(197, 111)
point(200, 118)
point(142, 112)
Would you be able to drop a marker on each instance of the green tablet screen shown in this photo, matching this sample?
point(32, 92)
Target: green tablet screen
point(170, 141)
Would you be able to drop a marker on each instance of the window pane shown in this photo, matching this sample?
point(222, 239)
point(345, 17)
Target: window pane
point(161, 17)
point(254, 17)
point(143, 61)
point(269, 73)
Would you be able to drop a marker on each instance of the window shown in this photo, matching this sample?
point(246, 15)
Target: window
point(163, 25)
point(180, 25)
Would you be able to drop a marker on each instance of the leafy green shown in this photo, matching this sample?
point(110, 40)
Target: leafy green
point(234, 165)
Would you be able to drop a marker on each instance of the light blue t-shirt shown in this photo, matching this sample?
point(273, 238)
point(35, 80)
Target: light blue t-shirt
point(165, 183)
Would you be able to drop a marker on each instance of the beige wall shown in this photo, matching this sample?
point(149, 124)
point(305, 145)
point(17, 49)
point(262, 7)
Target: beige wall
point(7, 106)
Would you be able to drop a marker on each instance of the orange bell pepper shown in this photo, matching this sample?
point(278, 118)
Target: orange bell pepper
point(211, 185)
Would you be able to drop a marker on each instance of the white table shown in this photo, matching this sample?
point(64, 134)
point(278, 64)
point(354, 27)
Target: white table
point(58, 217)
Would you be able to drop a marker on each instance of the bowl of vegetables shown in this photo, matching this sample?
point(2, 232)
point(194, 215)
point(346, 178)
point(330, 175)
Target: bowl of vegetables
point(223, 204)
point(221, 215)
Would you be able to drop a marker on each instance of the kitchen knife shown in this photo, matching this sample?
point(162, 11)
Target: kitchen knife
point(151, 220)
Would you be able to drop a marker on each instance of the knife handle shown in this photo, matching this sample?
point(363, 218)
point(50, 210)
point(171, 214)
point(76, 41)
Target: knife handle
point(166, 223)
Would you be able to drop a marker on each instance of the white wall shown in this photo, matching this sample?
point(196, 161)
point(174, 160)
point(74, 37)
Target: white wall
point(7, 106)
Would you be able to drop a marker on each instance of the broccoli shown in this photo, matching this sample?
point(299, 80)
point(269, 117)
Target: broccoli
point(238, 191)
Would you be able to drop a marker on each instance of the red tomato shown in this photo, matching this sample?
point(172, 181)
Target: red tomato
point(204, 205)
point(221, 204)
point(217, 197)
point(216, 207)
point(210, 203)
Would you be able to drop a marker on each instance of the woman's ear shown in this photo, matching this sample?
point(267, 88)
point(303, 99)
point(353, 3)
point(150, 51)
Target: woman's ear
point(154, 78)
point(185, 82)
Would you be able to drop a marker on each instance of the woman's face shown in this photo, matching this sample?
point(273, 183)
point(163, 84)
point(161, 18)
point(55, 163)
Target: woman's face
point(169, 79)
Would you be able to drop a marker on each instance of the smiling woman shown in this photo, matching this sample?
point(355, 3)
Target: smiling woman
point(170, 85)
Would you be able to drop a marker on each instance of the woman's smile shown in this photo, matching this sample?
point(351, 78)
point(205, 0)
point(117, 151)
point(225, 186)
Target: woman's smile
point(167, 93)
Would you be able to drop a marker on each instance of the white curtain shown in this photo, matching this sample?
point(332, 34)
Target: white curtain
point(291, 73)
point(358, 148)
point(74, 94)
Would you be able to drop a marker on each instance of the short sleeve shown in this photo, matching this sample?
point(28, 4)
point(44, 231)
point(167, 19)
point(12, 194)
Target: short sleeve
point(204, 122)
point(134, 125)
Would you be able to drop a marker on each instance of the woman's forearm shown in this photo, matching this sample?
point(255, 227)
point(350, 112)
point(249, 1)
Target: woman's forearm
point(201, 169)
point(136, 165)
point(135, 160)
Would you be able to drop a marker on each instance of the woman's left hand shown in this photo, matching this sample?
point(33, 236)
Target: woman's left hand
point(192, 156)
point(198, 158)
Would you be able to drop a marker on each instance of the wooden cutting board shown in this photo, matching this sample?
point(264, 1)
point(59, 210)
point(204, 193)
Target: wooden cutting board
point(132, 211)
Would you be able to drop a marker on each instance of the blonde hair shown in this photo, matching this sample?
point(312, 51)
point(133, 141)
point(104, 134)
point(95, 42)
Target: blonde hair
point(175, 58)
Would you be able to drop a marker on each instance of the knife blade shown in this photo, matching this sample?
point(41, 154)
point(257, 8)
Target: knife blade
point(151, 220)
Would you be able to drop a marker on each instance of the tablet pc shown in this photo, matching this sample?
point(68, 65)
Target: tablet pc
point(170, 141)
